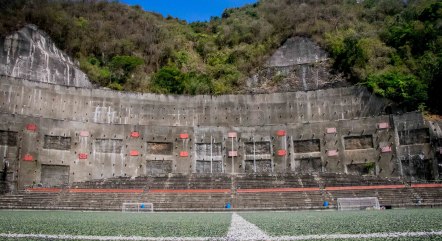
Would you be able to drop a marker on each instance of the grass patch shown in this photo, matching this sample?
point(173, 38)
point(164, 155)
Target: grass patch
point(115, 223)
point(350, 222)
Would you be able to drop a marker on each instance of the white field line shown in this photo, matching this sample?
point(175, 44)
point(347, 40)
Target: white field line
point(104, 238)
point(360, 236)
point(231, 238)
point(240, 229)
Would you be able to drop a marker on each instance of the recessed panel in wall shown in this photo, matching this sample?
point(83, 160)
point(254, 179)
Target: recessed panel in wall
point(8, 138)
point(416, 136)
point(54, 175)
point(257, 148)
point(204, 166)
point(208, 149)
point(108, 145)
point(308, 165)
point(303, 146)
point(159, 148)
point(57, 142)
point(439, 164)
point(157, 167)
point(362, 168)
point(262, 166)
point(358, 142)
point(416, 168)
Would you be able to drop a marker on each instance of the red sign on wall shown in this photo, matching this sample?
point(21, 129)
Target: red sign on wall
point(386, 149)
point(233, 153)
point(331, 130)
point(332, 153)
point(28, 158)
point(84, 133)
point(134, 134)
point(282, 152)
point(134, 153)
point(280, 133)
point(31, 127)
point(383, 125)
point(82, 156)
point(184, 136)
point(184, 154)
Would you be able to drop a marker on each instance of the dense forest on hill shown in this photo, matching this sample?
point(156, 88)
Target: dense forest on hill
point(392, 46)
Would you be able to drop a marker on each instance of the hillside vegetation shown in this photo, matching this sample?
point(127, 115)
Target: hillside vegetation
point(392, 46)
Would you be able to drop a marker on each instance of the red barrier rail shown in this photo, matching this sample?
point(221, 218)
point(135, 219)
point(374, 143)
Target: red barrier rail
point(83, 190)
point(189, 191)
point(364, 187)
point(301, 189)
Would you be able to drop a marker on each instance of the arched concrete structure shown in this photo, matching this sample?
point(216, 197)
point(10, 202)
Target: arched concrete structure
point(76, 134)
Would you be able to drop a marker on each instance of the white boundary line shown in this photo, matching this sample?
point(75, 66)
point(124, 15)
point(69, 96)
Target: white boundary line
point(103, 238)
point(360, 236)
point(240, 229)
point(228, 238)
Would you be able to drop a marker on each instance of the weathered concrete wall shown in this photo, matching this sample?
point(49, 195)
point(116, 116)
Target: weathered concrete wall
point(30, 54)
point(436, 127)
point(9, 147)
point(415, 152)
point(48, 128)
point(111, 107)
point(298, 65)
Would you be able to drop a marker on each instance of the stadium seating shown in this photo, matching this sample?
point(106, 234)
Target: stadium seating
point(197, 192)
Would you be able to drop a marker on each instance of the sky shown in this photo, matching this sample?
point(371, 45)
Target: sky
point(189, 10)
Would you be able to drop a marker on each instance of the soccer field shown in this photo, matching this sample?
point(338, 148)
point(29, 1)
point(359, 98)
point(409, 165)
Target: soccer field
point(399, 224)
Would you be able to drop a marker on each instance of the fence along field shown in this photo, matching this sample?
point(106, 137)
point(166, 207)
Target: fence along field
point(397, 224)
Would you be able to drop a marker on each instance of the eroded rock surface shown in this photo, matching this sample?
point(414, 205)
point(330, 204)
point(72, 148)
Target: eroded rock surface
point(298, 65)
point(30, 54)
point(297, 51)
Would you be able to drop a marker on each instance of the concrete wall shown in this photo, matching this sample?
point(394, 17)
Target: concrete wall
point(97, 134)
point(112, 107)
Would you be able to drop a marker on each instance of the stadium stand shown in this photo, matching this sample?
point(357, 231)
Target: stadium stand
point(211, 193)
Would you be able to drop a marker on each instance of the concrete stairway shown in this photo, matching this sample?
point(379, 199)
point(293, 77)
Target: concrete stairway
point(287, 191)
point(28, 200)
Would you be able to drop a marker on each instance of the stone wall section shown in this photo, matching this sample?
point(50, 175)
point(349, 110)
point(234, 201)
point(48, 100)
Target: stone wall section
point(298, 65)
point(112, 107)
point(30, 54)
point(276, 152)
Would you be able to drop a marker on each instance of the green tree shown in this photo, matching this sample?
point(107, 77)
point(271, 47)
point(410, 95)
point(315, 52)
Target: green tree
point(122, 66)
point(169, 79)
point(405, 89)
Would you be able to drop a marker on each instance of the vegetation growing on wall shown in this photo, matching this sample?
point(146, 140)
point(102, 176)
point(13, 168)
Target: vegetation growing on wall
point(392, 46)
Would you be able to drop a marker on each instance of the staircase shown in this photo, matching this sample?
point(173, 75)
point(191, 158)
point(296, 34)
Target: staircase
point(285, 191)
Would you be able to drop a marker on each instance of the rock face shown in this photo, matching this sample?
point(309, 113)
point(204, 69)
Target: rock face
point(298, 65)
point(296, 51)
point(30, 54)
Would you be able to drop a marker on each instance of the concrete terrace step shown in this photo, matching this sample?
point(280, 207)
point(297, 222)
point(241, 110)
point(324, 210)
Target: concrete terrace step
point(264, 192)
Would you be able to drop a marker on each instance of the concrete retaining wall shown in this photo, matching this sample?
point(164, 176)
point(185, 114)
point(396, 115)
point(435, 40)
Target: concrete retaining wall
point(96, 134)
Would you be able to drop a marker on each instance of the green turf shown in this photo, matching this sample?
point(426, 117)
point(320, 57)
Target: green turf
point(348, 222)
point(433, 238)
point(116, 223)
point(217, 224)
